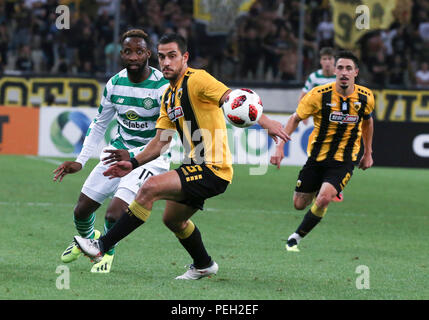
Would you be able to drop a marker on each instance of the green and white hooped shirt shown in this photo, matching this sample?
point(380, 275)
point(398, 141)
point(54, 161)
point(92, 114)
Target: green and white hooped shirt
point(315, 79)
point(136, 107)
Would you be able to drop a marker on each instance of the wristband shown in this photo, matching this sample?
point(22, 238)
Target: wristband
point(134, 162)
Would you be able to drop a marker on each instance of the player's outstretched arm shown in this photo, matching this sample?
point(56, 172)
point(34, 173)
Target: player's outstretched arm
point(116, 155)
point(118, 169)
point(275, 128)
point(367, 132)
point(65, 168)
point(278, 155)
point(153, 150)
point(290, 127)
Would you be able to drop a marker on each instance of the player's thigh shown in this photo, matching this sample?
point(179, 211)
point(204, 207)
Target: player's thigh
point(132, 182)
point(338, 174)
point(166, 186)
point(310, 179)
point(98, 187)
point(176, 214)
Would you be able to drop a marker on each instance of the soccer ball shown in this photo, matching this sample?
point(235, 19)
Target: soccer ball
point(242, 108)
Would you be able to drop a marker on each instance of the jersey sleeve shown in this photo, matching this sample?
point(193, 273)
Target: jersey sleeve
point(306, 106)
point(369, 106)
point(208, 87)
point(308, 85)
point(97, 128)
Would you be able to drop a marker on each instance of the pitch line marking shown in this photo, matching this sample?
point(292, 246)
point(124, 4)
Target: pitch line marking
point(44, 159)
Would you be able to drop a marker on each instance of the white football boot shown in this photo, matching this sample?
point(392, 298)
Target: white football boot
point(90, 248)
point(195, 274)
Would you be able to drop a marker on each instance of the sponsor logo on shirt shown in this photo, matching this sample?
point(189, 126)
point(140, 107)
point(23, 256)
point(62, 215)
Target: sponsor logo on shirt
point(343, 118)
point(175, 113)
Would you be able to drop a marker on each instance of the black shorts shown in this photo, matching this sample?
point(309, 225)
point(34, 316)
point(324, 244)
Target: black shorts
point(199, 183)
point(314, 173)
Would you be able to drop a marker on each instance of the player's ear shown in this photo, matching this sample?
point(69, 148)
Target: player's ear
point(186, 57)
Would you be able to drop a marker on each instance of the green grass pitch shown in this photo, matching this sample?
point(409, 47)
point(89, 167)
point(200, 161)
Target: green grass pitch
point(382, 224)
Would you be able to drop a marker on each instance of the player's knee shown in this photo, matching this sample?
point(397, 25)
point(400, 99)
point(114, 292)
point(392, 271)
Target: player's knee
point(148, 191)
point(323, 200)
point(80, 212)
point(300, 203)
point(112, 216)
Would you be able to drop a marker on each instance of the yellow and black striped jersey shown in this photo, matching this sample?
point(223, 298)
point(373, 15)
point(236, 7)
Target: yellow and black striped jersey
point(337, 121)
point(192, 108)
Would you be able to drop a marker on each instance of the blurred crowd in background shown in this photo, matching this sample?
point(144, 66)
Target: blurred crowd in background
point(262, 45)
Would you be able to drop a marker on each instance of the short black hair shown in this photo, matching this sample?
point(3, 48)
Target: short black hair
point(344, 54)
point(326, 51)
point(136, 33)
point(174, 37)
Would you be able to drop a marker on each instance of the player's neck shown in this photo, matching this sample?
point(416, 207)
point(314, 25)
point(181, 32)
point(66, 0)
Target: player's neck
point(345, 92)
point(141, 76)
point(327, 73)
point(175, 81)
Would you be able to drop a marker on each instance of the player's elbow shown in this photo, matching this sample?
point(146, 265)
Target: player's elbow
point(296, 118)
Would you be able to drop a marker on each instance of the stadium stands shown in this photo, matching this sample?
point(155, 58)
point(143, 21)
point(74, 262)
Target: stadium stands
point(262, 46)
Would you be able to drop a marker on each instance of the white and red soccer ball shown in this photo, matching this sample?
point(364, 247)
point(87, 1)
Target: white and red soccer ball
point(242, 108)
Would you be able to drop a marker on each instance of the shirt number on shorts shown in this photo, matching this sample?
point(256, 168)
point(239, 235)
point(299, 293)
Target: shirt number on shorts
point(192, 169)
point(145, 174)
point(345, 180)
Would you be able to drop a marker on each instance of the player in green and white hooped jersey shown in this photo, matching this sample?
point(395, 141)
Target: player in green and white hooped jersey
point(321, 76)
point(133, 96)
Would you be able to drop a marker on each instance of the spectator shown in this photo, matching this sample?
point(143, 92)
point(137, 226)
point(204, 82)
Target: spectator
point(109, 51)
point(422, 76)
point(286, 47)
point(4, 43)
point(378, 68)
point(24, 62)
point(424, 27)
point(399, 41)
point(325, 31)
point(250, 53)
point(397, 72)
point(263, 41)
point(24, 21)
point(86, 51)
point(269, 46)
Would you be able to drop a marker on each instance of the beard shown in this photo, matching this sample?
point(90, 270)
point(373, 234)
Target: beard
point(135, 71)
point(171, 75)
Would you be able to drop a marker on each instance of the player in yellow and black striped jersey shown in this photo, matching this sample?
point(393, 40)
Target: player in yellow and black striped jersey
point(342, 117)
point(190, 106)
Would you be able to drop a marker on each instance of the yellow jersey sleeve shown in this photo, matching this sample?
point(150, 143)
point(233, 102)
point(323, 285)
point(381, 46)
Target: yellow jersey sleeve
point(307, 106)
point(370, 105)
point(207, 88)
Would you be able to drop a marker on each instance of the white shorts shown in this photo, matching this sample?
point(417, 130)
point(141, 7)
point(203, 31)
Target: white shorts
point(99, 188)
